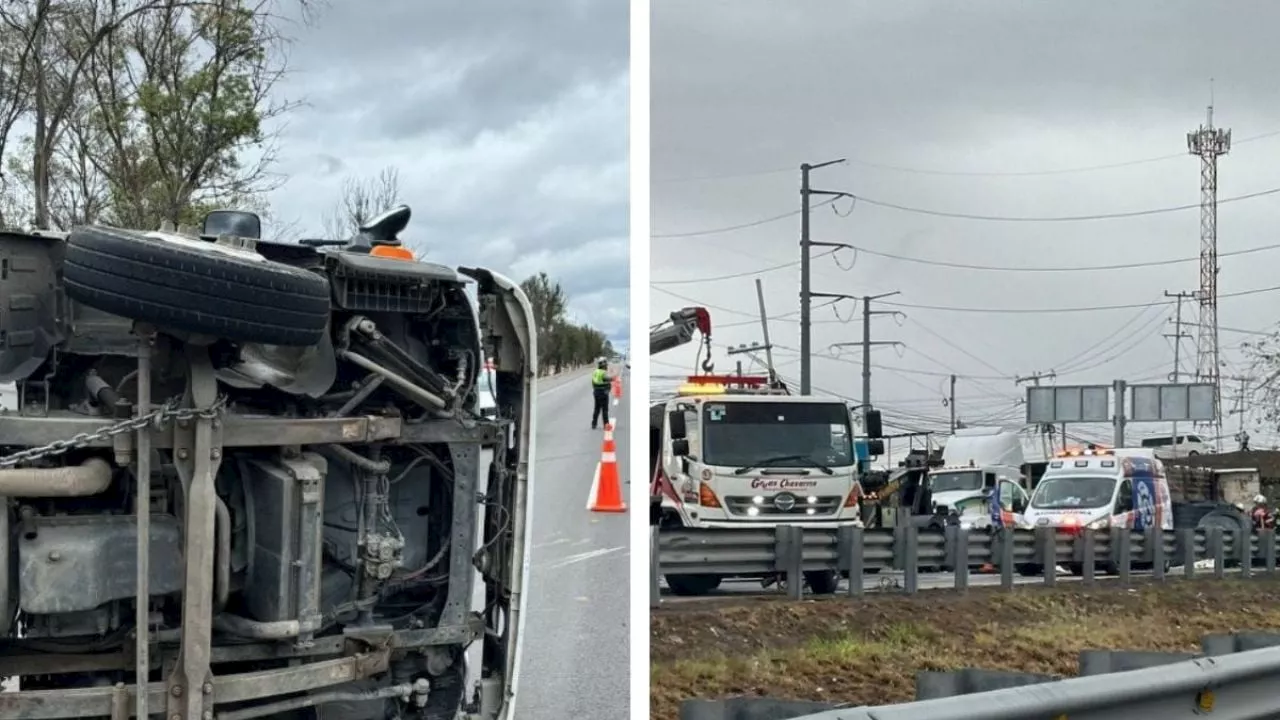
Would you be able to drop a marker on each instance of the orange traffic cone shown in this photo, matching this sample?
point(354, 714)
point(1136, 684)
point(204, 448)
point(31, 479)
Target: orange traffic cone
point(617, 387)
point(608, 495)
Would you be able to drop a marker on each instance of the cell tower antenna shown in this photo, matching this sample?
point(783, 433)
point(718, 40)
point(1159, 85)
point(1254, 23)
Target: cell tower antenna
point(1209, 143)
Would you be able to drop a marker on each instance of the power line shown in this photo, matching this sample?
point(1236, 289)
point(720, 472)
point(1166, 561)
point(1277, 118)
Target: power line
point(971, 173)
point(1058, 218)
point(742, 226)
point(1046, 311)
point(735, 276)
point(1058, 268)
point(968, 216)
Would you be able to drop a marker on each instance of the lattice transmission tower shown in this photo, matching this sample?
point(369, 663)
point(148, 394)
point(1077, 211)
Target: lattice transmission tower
point(1209, 143)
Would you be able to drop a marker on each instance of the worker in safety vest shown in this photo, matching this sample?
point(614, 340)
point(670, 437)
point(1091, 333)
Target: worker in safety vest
point(600, 384)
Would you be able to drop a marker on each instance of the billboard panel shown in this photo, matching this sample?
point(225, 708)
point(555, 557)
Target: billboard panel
point(1172, 402)
point(1069, 404)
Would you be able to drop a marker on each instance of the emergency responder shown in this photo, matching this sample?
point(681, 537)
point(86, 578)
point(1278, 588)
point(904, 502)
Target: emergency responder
point(600, 384)
point(1262, 516)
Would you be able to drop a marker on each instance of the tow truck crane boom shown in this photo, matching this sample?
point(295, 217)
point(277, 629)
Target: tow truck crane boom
point(682, 324)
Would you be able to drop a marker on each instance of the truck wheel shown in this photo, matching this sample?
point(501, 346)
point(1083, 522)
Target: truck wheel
point(1029, 570)
point(823, 582)
point(194, 286)
point(692, 585)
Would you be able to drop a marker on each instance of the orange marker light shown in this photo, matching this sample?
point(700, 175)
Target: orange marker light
point(393, 252)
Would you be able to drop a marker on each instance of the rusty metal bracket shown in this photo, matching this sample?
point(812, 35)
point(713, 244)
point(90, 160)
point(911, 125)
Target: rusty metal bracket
point(197, 451)
point(103, 701)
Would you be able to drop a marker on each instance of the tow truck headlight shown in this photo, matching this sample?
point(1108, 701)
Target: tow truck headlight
point(753, 511)
point(812, 500)
point(757, 500)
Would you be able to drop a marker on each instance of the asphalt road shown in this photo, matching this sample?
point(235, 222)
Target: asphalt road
point(576, 662)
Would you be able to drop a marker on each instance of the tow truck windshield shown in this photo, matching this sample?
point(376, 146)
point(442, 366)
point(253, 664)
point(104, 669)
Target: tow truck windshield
point(956, 481)
point(1073, 493)
point(783, 459)
point(758, 434)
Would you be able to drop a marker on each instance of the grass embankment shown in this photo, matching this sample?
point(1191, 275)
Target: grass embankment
point(867, 651)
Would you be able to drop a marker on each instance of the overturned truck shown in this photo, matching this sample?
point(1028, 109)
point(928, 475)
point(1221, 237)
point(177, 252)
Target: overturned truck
point(331, 528)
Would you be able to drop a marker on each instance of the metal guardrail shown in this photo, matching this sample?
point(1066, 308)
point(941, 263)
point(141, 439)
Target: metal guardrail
point(792, 551)
point(1234, 678)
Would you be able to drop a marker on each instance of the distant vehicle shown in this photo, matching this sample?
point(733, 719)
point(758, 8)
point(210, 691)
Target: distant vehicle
point(488, 395)
point(1168, 446)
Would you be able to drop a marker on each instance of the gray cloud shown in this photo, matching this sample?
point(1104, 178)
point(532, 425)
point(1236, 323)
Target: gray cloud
point(746, 90)
point(507, 123)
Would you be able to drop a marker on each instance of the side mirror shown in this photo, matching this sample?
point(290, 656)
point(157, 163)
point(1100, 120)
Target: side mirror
point(875, 448)
point(679, 431)
point(232, 222)
point(680, 448)
point(874, 428)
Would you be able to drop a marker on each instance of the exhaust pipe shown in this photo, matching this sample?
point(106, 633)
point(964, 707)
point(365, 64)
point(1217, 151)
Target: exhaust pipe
point(88, 478)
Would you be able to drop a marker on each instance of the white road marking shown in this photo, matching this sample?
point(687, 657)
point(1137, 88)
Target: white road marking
point(582, 557)
point(557, 541)
point(595, 485)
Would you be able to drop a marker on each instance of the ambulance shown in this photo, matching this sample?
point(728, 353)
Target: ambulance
point(736, 453)
point(1101, 488)
point(1121, 487)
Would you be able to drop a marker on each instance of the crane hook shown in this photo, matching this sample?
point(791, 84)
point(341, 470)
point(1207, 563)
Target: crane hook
point(707, 365)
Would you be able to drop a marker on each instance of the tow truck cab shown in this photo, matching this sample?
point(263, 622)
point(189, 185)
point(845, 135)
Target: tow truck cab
point(733, 452)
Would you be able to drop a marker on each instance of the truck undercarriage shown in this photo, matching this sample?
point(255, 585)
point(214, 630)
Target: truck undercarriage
point(333, 530)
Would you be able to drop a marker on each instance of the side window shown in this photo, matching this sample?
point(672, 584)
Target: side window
point(1124, 498)
point(1008, 493)
point(694, 433)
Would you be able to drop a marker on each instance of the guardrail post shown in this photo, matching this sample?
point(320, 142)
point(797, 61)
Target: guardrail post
point(911, 569)
point(789, 558)
point(958, 555)
point(899, 546)
point(849, 544)
point(1047, 551)
point(1218, 551)
point(1155, 546)
point(1088, 556)
point(1122, 552)
point(655, 571)
point(1006, 557)
point(1187, 542)
point(1267, 539)
point(1244, 548)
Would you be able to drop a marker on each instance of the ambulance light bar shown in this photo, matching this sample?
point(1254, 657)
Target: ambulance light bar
point(1076, 452)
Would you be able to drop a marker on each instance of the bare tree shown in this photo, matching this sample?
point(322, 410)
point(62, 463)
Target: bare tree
point(155, 100)
point(362, 199)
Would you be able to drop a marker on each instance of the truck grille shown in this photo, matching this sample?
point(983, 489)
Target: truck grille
point(825, 505)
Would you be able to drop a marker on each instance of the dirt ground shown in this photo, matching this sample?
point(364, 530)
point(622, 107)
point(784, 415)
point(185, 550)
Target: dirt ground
point(866, 651)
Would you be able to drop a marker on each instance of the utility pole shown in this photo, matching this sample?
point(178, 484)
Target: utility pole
point(767, 347)
point(806, 295)
point(1035, 379)
point(1177, 338)
point(951, 403)
point(1238, 400)
point(764, 328)
point(1209, 143)
point(867, 343)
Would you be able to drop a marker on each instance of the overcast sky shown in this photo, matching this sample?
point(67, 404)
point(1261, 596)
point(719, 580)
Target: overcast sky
point(507, 122)
point(948, 106)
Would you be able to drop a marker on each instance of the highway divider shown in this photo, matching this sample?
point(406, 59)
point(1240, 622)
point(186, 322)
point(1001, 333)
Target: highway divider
point(1234, 678)
point(792, 551)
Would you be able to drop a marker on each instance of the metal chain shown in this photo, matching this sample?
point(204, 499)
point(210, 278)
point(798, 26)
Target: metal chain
point(168, 411)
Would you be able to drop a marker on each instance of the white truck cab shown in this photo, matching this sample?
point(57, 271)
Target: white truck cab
point(975, 460)
point(730, 452)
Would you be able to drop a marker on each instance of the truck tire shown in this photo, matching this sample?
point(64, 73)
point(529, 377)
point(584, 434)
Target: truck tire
point(193, 286)
point(823, 582)
point(692, 585)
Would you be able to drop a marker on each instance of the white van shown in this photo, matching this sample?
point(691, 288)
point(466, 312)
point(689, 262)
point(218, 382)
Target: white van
point(1123, 487)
